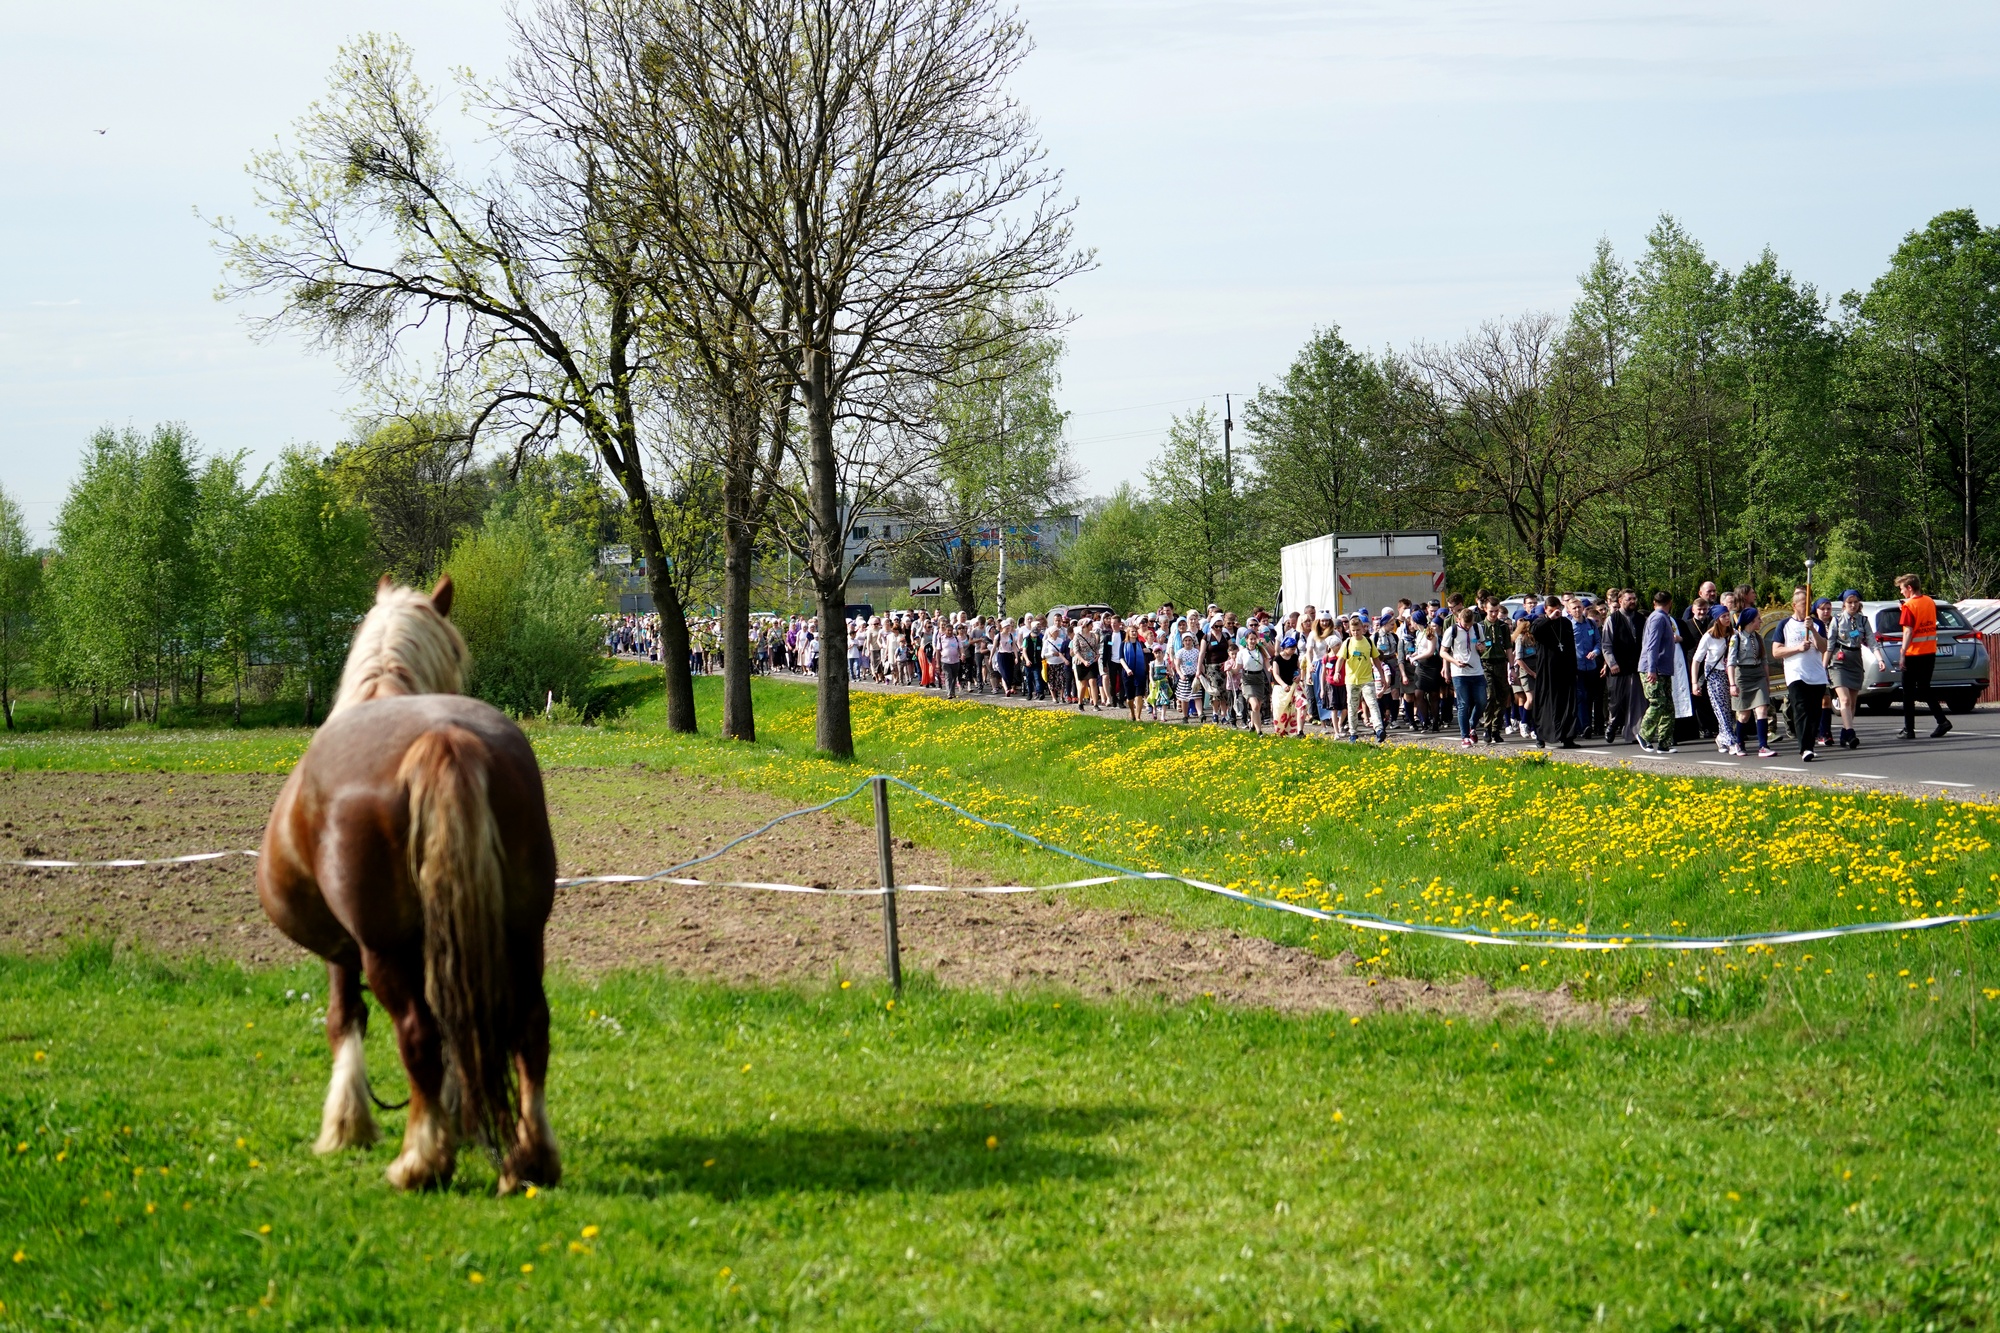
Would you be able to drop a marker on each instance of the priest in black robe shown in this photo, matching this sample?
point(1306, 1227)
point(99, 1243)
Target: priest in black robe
point(1554, 717)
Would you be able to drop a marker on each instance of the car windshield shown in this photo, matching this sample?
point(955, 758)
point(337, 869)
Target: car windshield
point(1949, 618)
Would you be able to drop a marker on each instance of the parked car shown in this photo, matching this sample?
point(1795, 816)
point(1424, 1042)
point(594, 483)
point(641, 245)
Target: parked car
point(1963, 668)
point(1080, 609)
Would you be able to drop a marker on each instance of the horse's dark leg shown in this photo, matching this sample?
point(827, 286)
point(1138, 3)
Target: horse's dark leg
point(429, 1148)
point(534, 1159)
point(346, 1122)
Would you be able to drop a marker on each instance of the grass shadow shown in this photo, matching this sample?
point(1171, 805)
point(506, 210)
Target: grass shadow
point(945, 1149)
point(621, 689)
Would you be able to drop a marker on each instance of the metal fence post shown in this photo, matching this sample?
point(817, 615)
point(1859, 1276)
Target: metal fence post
point(884, 851)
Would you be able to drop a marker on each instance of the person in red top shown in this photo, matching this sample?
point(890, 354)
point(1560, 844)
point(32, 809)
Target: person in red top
point(1919, 620)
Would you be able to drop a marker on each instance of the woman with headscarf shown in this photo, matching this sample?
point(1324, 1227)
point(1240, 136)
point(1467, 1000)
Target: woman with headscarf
point(1555, 693)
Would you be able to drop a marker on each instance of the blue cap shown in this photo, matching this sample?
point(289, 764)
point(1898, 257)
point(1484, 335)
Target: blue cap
point(1824, 601)
point(1746, 615)
point(1850, 593)
point(1289, 641)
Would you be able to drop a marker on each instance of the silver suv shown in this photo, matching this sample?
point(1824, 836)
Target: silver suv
point(1962, 665)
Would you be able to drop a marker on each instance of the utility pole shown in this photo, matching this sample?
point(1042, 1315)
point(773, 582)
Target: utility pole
point(1228, 468)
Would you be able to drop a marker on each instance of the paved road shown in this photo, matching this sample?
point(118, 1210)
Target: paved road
point(1965, 764)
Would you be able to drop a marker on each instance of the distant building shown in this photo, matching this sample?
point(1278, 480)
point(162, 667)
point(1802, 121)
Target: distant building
point(874, 581)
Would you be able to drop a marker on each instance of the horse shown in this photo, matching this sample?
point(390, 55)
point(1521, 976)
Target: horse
point(411, 846)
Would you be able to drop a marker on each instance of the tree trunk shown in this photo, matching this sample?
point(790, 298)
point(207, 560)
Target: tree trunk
point(239, 694)
point(834, 724)
point(738, 559)
point(961, 578)
point(675, 648)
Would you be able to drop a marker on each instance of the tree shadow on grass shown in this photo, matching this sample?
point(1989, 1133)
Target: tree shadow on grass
point(941, 1149)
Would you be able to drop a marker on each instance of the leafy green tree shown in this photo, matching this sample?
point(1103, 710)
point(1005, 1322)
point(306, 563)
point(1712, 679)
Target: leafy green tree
point(1198, 529)
point(1514, 424)
point(1924, 389)
point(1319, 440)
point(528, 603)
point(20, 590)
point(414, 477)
point(564, 493)
point(1676, 394)
point(230, 551)
point(125, 574)
point(319, 569)
point(1782, 356)
point(1108, 562)
point(1004, 462)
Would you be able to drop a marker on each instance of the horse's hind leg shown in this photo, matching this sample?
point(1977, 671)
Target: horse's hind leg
point(534, 1159)
point(346, 1121)
point(430, 1152)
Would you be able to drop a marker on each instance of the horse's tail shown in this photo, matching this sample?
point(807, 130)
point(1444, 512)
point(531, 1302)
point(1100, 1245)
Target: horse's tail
point(457, 864)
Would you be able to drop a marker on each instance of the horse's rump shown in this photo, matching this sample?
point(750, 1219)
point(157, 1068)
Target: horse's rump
point(458, 865)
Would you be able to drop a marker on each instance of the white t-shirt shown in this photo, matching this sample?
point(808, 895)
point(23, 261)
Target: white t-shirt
point(1805, 666)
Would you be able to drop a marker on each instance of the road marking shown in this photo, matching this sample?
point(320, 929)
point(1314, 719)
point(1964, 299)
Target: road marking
point(1927, 782)
point(1718, 763)
point(1873, 777)
point(1780, 768)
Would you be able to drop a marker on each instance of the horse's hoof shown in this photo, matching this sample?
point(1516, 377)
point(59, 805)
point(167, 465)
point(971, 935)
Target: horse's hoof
point(527, 1166)
point(335, 1135)
point(412, 1172)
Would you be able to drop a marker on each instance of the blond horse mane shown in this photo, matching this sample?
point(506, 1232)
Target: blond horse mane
point(404, 645)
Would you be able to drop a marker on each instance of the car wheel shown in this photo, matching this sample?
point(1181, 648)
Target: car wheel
point(1962, 701)
point(1876, 704)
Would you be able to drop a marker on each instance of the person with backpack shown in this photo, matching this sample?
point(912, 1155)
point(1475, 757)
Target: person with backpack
point(1496, 655)
point(1850, 643)
point(1359, 658)
point(1460, 651)
point(1750, 679)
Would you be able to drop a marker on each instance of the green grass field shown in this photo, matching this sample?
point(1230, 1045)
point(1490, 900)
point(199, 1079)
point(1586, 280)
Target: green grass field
point(1799, 1138)
point(966, 1162)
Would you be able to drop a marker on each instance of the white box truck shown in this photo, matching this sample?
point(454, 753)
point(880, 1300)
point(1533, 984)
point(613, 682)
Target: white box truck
point(1350, 571)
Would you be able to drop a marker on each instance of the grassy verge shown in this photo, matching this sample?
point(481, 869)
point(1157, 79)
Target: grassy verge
point(965, 1162)
point(1409, 833)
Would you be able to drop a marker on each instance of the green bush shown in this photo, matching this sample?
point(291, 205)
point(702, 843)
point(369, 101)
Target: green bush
point(527, 602)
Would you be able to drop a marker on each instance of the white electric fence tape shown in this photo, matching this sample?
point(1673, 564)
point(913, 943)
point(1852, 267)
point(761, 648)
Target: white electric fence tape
point(1359, 921)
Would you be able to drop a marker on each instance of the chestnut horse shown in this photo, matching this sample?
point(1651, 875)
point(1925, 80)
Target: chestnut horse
point(411, 846)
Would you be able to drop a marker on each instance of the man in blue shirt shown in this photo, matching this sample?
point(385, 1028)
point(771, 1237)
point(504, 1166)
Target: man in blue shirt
point(1659, 658)
point(1589, 663)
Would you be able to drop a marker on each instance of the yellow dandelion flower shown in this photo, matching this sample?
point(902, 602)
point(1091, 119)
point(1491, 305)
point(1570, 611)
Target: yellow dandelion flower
point(590, 1231)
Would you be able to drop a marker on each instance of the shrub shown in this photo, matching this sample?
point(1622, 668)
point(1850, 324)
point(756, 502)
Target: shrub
point(527, 602)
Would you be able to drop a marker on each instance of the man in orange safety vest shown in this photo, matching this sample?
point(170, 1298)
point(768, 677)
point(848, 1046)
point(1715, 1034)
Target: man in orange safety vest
point(1919, 620)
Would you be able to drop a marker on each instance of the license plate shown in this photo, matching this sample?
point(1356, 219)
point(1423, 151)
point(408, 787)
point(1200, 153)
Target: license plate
point(1947, 650)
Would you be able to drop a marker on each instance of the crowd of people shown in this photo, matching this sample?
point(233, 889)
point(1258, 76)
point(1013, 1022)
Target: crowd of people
point(1549, 672)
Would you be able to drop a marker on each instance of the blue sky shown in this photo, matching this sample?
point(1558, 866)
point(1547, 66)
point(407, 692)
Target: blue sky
point(1245, 171)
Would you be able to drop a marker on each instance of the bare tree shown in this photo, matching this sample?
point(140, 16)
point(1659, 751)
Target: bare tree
point(522, 294)
point(1519, 416)
point(863, 159)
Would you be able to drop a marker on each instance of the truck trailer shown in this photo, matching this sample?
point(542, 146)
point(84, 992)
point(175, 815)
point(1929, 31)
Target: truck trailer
point(1353, 571)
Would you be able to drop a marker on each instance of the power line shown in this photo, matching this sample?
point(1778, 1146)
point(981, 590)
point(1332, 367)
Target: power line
point(1140, 407)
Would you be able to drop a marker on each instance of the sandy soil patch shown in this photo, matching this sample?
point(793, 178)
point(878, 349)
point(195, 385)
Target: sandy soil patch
point(639, 820)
